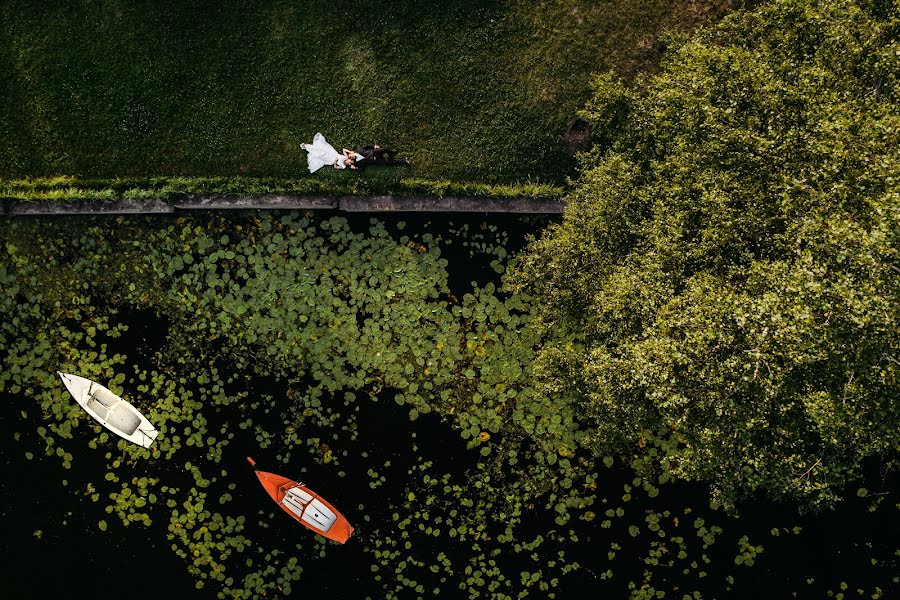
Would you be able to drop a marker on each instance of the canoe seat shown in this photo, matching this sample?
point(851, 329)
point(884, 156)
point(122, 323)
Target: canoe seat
point(104, 397)
point(98, 409)
point(309, 509)
point(319, 516)
point(124, 419)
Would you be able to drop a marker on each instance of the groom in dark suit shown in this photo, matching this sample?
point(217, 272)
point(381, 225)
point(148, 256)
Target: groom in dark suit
point(372, 154)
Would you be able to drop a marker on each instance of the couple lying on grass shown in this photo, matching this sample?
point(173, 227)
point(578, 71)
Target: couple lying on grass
point(321, 153)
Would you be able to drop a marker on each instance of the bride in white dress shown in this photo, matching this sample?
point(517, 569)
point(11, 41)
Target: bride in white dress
point(321, 153)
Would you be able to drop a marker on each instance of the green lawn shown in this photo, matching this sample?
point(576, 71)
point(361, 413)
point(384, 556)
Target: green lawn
point(472, 90)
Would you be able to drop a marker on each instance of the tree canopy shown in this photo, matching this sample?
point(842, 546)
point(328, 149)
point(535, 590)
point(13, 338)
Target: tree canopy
point(721, 297)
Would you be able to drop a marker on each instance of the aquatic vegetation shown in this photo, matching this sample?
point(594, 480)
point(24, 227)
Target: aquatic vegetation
point(346, 350)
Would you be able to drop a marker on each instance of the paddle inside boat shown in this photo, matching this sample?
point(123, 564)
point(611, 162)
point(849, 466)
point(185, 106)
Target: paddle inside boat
point(305, 506)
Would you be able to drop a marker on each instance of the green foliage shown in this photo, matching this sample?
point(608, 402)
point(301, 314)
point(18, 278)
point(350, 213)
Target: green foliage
point(747, 552)
point(721, 299)
point(717, 302)
point(608, 108)
point(333, 312)
point(280, 330)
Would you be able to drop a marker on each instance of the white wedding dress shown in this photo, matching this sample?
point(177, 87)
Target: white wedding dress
point(321, 153)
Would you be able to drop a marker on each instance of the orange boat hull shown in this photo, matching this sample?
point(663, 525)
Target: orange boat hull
point(277, 486)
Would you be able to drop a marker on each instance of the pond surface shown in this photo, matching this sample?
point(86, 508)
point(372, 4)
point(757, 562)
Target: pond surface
point(381, 362)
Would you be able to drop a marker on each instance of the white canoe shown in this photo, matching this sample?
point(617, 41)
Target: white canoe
point(110, 410)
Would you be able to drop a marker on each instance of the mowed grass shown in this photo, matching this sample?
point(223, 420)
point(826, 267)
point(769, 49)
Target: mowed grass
point(471, 90)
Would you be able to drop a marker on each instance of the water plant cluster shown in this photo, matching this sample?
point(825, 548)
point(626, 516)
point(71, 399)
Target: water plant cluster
point(354, 356)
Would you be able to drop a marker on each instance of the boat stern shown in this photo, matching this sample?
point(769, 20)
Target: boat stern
point(341, 531)
point(146, 436)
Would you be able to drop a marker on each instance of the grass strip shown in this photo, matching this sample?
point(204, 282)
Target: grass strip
point(67, 188)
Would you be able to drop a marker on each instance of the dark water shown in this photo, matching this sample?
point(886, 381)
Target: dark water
point(51, 542)
point(72, 558)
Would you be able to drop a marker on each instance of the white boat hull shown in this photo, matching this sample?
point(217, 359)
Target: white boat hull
point(110, 410)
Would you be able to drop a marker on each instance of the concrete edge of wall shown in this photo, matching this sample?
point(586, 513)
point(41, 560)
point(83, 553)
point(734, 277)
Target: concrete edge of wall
point(86, 207)
point(355, 204)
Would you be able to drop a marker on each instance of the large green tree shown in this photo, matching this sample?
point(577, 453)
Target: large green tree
point(724, 286)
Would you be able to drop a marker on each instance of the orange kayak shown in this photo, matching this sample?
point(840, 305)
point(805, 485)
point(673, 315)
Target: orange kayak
point(305, 505)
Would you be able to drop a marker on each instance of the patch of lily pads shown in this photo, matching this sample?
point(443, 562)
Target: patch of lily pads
point(359, 357)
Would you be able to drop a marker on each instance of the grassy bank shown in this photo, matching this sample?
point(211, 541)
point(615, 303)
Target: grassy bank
point(329, 184)
point(472, 90)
